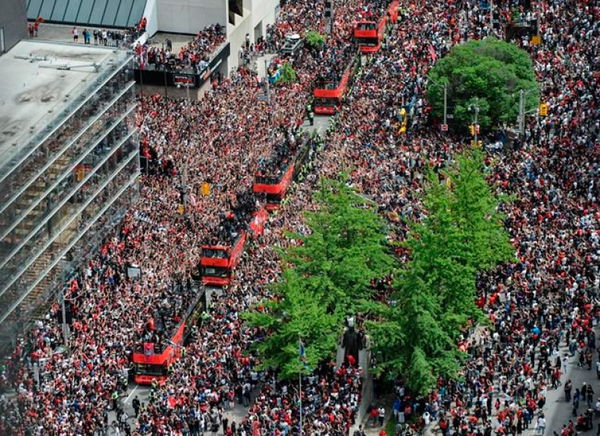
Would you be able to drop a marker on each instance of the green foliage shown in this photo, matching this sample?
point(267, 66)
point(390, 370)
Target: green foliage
point(315, 39)
point(488, 73)
point(435, 294)
point(296, 314)
point(327, 275)
point(288, 74)
point(347, 247)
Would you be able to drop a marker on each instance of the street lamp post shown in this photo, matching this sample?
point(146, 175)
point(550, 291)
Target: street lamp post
point(491, 17)
point(445, 104)
point(521, 119)
point(444, 85)
point(475, 109)
point(476, 121)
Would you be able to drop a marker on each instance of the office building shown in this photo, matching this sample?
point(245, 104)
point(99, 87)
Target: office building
point(68, 166)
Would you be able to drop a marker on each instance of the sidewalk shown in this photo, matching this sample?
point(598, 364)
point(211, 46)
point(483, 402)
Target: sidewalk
point(556, 411)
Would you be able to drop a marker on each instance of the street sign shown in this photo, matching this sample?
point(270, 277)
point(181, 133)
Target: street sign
point(444, 127)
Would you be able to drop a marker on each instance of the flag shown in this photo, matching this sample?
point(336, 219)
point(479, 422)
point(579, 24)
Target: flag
point(302, 354)
point(432, 52)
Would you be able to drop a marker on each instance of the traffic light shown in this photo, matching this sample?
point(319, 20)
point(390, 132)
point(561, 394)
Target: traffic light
point(544, 109)
point(472, 129)
point(328, 8)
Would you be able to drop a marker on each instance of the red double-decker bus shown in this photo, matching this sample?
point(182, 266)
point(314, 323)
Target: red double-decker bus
point(370, 32)
point(274, 181)
point(275, 175)
point(220, 257)
point(218, 261)
point(330, 91)
point(164, 335)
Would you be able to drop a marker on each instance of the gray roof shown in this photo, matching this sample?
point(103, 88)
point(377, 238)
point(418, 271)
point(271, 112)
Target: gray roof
point(37, 93)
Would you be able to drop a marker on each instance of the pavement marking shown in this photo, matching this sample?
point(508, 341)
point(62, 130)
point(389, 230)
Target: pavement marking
point(129, 396)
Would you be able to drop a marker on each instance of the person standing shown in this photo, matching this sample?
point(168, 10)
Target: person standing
point(590, 395)
point(136, 406)
point(541, 424)
point(381, 415)
point(75, 33)
point(576, 402)
point(568, 388)
point(360, 431)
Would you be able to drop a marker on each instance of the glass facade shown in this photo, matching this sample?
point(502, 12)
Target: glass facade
point(105, 13)
point(59, 201)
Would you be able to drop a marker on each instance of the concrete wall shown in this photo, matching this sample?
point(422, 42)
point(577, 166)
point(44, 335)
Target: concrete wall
point(189, 16)
point(14, 22)
point(151, 14)
point(257, 15)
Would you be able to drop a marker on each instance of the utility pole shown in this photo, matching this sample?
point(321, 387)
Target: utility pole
point(268, 89)
point(521, 112)
point(164, 71)
point(64, 317)
point(445, 104)
point(300, 402)
point(491, 17)
point(329, 14)
point(475, 120)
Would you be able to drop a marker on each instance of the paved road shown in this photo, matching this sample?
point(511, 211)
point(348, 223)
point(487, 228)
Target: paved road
point(559, 412)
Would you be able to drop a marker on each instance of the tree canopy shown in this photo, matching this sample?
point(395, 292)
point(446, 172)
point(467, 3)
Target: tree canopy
point(315, 39)
point(488, 73)
point(288, 74)
point(435, 293)
point(326, 275)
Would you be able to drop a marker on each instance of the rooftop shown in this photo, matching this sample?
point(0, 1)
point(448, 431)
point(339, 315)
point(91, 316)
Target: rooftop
point(42, 83)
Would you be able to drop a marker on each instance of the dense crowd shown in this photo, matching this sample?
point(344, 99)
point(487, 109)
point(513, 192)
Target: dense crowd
point(194, 56)
point(545, 299)
point(549, 297)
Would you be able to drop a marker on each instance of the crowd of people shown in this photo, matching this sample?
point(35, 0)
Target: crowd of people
point(548, 298)
point(544, 300)
point(194, 56)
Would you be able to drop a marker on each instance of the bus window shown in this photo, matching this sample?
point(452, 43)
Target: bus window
point(367, 26)
point(273, 198)
point(215, 271)
point(367, 41)
point(156, 370)
point(208, 252)
point(326, 101)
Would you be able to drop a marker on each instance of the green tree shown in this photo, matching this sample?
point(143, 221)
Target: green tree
point(327, 275)
point(347, 246)
point(488, 73)
point(435, 293)
point(288, 74)
point(314, 39)
point(293, 315)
